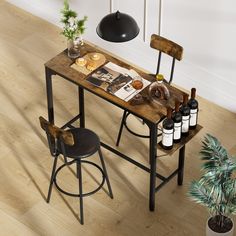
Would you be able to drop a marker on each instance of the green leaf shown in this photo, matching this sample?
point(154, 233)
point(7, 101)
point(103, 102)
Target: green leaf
point(216, 189)
point(67, 14)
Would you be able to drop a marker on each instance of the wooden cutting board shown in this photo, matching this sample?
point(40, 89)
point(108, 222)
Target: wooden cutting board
point(89, 62)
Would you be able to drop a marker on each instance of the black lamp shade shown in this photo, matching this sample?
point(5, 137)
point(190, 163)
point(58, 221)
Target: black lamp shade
point(117, 27)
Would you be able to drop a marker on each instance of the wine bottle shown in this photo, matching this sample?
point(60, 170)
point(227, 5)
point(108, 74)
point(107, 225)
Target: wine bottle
point(193, 105)
point(185, 111)
point(168, 131)
point(177, 118)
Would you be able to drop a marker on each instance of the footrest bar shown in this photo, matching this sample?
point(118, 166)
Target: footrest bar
point(167, 179)
point(131, 160)
point(71, 126)
point(71, 121)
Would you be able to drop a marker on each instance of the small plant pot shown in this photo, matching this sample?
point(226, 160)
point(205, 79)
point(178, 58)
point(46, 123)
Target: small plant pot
point(211, 232)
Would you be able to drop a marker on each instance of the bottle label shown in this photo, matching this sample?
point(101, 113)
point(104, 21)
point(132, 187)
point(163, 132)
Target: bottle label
point(177, 131)
point(185, 124)
point(167, 137)
point(193, 117)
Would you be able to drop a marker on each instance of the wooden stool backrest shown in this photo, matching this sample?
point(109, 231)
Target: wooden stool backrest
point(166, 46)
point(57, 133)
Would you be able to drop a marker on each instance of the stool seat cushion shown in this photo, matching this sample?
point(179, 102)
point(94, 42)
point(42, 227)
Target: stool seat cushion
point(86, 143)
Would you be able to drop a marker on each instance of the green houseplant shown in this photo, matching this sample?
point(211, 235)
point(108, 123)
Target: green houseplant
point(216, 189)
point(73, 28)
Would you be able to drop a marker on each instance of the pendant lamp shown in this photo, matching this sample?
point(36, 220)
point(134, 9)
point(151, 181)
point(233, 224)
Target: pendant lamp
point(117, 27)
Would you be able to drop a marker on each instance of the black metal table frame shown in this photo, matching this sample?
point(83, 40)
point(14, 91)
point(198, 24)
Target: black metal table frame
point(152, 143)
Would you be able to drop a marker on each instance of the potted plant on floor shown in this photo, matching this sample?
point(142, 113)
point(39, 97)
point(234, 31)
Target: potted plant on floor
point(216, 189)
point(73, 29)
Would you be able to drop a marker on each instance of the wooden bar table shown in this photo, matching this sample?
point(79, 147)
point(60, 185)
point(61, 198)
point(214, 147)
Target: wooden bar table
point(151, 113)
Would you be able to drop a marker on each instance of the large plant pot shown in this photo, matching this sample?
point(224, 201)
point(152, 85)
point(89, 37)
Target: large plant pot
point(211, 232)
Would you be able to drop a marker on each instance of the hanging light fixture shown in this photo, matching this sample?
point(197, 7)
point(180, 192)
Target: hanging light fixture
point(117, 27)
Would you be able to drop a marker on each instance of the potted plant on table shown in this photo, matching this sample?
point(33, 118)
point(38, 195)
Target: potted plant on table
point(73, 29)
point(216, 189)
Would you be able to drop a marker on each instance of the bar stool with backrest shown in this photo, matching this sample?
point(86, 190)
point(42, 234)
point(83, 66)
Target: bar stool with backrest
point(75, 144)
point(168, 47)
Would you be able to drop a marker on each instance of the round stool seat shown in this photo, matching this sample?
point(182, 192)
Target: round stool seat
point(86, 143)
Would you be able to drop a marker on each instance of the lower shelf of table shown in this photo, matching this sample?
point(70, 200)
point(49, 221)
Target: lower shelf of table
point(184, 140)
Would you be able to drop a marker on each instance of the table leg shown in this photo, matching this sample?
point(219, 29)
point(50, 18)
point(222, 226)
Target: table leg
point(48, 75)
point(152, 159)
point(181, 165)
point(81, 107)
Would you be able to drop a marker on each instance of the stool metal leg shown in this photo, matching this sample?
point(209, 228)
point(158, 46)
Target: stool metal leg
point(121, 128)
point(79, 176)
point(105, 172)
point(52, 178)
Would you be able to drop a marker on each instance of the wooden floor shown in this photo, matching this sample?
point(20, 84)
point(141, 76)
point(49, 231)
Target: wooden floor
point(26, 43)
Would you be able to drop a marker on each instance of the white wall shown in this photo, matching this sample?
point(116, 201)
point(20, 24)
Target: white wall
point(206, 30)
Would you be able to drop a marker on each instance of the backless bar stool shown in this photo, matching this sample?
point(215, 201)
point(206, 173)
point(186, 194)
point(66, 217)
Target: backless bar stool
point(76, 144)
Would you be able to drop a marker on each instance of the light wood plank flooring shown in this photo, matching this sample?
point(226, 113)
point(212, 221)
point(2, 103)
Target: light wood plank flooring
point(26, 43)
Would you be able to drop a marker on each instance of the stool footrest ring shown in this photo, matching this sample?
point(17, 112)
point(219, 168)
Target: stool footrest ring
point(131, 131)
point(76, 194)
point(134, 133)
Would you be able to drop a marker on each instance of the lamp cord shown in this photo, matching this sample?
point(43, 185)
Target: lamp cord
point(160, 17)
